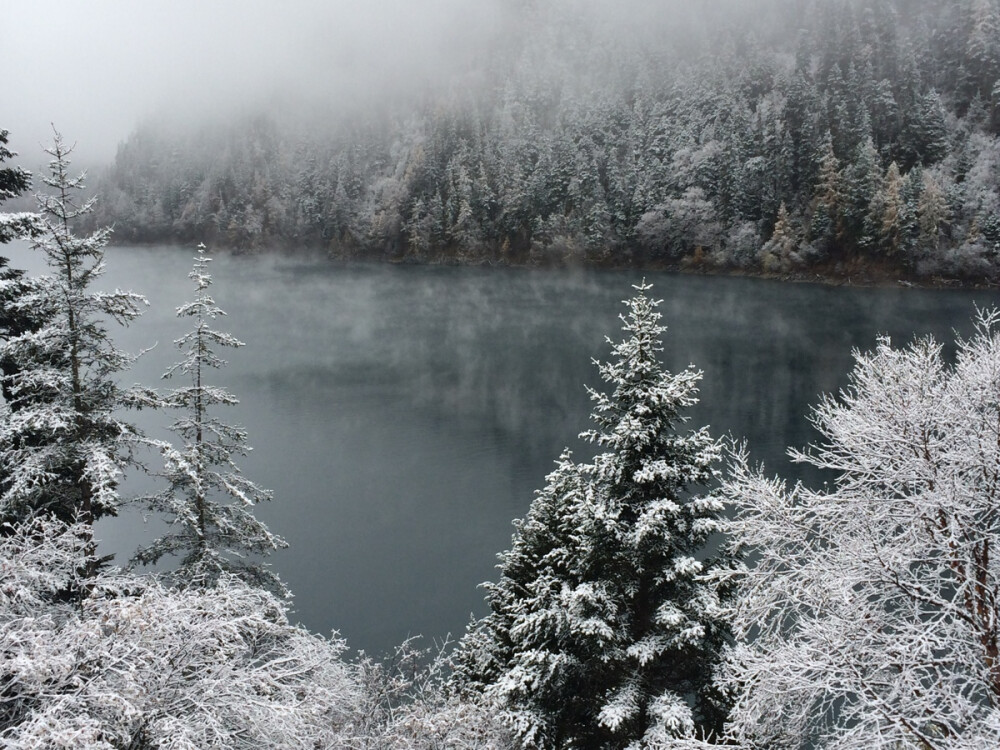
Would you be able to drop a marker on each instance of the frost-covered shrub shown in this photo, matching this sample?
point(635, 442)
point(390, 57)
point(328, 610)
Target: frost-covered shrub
point(139, 665)
point(970, 260)
point(743, 245)
point(869, 618)
point(405, 706)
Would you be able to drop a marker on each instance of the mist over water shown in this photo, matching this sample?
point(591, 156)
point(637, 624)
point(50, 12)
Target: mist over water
point(403, 416)
point(98, 70)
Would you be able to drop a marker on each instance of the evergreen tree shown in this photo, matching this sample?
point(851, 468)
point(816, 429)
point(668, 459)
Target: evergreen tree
point(779, 253)
point(213, 538)
point(983, 47)
point(934, 215)
point(606, 624)
point(14, 318)
point(536, 645)
point(862, 181)
point(14, 181)
point(666, 617)
point(826, 225)
point(63, 445)
point(924, 139)
point(895, 219)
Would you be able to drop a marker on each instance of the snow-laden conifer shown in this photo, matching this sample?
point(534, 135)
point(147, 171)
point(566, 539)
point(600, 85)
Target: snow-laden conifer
point(63, 445)
point(870, 617)
point(607, 621)
point(531, 651)
point(653, 531)
point(208, 501)
point(14, 319)
point(13, 182)
point(406, 706)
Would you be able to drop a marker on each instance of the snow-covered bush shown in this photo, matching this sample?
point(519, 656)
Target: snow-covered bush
point(405, 706)
point(138, 665)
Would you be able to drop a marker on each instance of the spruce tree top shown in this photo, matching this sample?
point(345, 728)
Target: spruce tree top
point(637, 421)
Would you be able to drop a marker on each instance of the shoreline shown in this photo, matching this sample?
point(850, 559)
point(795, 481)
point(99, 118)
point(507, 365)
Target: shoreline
point(856, 274)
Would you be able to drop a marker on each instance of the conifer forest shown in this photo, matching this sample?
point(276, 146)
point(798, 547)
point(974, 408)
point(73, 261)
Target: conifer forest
point(781, 136)
point(663, 588)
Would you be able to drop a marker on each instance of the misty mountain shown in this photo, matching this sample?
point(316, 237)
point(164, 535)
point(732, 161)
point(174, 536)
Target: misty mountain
point(779, 135)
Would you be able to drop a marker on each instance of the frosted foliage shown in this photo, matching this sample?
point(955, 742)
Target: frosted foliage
point(17, 225)
point(405, 707)
point(62, 443)
point(210, 535)
point(138, 665)
point(608, 618)
point(869, 618)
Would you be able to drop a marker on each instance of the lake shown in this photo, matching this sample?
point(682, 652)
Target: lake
point(404, 415)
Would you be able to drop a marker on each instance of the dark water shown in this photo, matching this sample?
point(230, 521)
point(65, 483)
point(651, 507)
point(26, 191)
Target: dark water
point(404, 415)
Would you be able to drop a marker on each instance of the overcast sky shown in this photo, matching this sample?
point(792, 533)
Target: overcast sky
point(96, 68)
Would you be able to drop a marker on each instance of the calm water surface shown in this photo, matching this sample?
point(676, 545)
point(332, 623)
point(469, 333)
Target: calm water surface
point(404, 415)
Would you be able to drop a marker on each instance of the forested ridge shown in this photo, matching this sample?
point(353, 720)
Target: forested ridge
point(784, 136)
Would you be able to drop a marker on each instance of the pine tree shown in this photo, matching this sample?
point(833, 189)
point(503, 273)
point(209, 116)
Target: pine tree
point(531, 650)
point(895, 219)
point(862, 180)
point(606, 624)
point(983, 47)
point(826, 225)
point(778, 254)
point(15, 320)
point(63, 445)
point(924, 139)
point(14, 181)
point(666, 616)
point(212, 537)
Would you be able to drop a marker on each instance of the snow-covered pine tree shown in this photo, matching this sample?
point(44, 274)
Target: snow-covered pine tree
point(14, 181)
point(529, 653)
point(891, 202)
point(826, 224)
point(934, 214)
point(212, 536)
point(63, 445)
point(666, 617)
point(607, 622)
point(779, 254)
point(14, 321)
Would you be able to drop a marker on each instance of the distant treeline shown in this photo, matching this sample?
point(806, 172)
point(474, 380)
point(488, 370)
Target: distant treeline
point(826, 134)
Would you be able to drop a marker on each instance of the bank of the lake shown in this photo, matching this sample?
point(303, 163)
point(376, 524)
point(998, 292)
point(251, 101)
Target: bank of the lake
point(849, 271)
